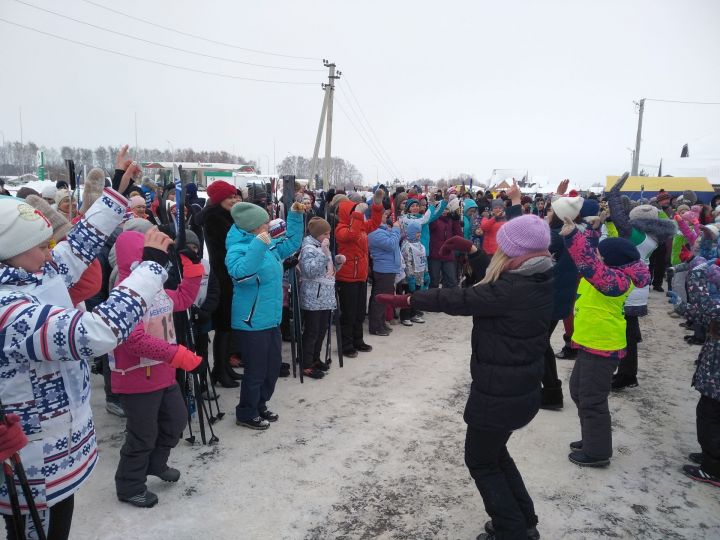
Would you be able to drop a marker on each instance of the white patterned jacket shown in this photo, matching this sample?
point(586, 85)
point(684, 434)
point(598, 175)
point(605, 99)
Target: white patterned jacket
point(45, 345)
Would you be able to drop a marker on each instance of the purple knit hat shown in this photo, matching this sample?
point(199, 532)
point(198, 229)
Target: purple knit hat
point(523, 235)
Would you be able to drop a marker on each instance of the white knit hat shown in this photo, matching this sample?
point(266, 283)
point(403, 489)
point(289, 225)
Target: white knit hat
point(21, 228)
point(453, 205)
point(48, 192)
point(61, 195)
point(567, 207)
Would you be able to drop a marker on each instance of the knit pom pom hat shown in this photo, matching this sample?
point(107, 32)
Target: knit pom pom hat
point(618, 251)
point(453, 205)
point(590, 207)
point(248, 216)
point(409, 203)
point(567, 207)
point(22, 227)
point(644, 211)
point(523, 235)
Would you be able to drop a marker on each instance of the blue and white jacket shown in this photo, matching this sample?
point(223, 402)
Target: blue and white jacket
point(256, 271)
point(45, 346)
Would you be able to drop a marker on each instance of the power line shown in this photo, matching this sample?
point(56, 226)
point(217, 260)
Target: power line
point(386, 153)
point(342, 110)
point(684, 102)
point(203, 38)
point(157, 62)
point(110, 30)
point(369, 137)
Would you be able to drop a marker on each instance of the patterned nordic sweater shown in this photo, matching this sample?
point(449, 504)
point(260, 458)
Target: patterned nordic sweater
point(45, 345)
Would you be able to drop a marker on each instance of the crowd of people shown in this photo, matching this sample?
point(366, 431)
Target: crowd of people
point(106, 284)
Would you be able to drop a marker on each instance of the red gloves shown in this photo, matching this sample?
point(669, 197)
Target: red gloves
point(185, 359)
point(456, 243)
point(12, 437)
point(191, 269)
point(401, 301)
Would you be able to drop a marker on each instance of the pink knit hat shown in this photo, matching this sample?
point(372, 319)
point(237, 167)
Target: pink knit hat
point(523, 235)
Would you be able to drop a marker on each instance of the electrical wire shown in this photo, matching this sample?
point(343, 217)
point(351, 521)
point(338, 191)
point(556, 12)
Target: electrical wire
point(386, 153)
point(369, 137)
point(156, 62)
point(150, 42)
point(203, 38)
point(342, 110)
point(683, 102)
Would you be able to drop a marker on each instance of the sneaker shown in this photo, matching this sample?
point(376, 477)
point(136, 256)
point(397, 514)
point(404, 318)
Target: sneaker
point(313, 373)
point(168, 475)
point(583, 460)
point(696, 457)
point(419, 313)
point(363, 347)
point(380, 333)
point(623, 381)
point(115, 408)
point(576, 445)
point(532, 532)
point(257, 423)
point(696, 473)
point(387, 329)
point(269, 415)
point(350, 354)
point(417, 319)
point(147, 499)
point(406, 322)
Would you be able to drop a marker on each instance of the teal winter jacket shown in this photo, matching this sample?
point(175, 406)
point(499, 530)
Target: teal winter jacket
point(256, 271)
point(467, 221)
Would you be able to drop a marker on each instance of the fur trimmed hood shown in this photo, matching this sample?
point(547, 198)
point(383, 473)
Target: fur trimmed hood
point(660, 229)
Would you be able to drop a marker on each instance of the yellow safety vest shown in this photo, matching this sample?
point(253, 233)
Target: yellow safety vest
point(599, 319)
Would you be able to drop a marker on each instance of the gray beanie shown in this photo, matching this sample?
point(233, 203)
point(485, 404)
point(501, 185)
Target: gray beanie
point(137, 224)
point(689, 197)
point(644, 211)
point(191, 238)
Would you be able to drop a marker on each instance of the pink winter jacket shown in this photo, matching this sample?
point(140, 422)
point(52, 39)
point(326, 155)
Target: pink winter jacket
point(129, 247)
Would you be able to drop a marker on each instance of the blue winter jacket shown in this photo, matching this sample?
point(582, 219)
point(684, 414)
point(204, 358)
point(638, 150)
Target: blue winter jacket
point(384, 243)
point(256, 271)
point(467, 221)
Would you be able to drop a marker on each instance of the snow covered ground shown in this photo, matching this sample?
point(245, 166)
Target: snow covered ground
point(375, 450)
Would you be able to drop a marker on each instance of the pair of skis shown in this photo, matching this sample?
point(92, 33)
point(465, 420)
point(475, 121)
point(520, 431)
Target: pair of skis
point(193, 387)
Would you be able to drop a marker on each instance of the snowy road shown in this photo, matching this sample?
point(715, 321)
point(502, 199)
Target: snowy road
point(375, 450)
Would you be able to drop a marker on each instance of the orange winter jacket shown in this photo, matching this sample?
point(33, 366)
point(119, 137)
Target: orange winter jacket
point(352, 241)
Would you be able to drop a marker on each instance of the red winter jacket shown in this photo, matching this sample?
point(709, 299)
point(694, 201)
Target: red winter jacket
point(441, 229)
point(490, 227)
point(352, 241)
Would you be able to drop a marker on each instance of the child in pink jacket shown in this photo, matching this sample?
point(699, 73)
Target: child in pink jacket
point(143, 376)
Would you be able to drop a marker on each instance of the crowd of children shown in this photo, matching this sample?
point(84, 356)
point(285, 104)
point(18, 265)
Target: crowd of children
point(103, 285)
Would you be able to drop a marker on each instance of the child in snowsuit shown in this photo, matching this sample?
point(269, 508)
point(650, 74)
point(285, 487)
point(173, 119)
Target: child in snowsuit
point(47, 343)
point(317, 293)
point(254, 263)
point(704, 307)
point(599, 332)
point(415, 266)
point(143, 375)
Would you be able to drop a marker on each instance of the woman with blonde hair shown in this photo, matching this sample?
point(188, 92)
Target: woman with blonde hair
point(511, 309)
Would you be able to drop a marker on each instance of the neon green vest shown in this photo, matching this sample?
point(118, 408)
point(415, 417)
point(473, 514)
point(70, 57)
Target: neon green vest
point(599, 319)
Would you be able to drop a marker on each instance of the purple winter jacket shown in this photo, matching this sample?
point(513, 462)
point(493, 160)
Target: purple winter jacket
point(441, 229)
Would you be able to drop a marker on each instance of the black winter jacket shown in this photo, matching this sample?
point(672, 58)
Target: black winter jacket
point(511, 320)
point(216, 222)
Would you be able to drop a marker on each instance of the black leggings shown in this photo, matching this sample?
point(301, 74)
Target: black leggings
point(60, 521)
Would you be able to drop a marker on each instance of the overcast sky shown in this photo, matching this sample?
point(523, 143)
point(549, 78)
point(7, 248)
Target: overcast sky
point(447, 87)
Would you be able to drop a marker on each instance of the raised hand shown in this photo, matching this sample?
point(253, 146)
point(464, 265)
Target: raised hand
point(123, 159)
point(514, 193)
point(562, 187)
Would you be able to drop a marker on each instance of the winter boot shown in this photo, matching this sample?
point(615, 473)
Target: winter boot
point(581, 459)
point(221, 355)
point(696, 457)
point(532, 532)
point(168, 475)
point(623, 381)
point(147, 499)
point(552, 398)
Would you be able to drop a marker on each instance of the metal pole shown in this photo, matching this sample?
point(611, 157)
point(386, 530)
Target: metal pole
point(328, 131)
point(22, 147)
point(136, 139)
point(313, 163)
point(638, 138)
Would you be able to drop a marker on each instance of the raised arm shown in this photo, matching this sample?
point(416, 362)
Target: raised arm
point(617, 212)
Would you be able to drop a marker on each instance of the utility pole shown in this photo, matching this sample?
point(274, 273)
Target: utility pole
point(22, 146)
point(326, 115)
point(638, 138)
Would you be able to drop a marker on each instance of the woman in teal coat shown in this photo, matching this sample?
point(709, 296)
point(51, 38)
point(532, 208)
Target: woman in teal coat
point(254, 263)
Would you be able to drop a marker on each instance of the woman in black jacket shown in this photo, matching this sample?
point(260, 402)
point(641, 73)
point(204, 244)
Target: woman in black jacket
point(511, 309)
point(216, 221)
